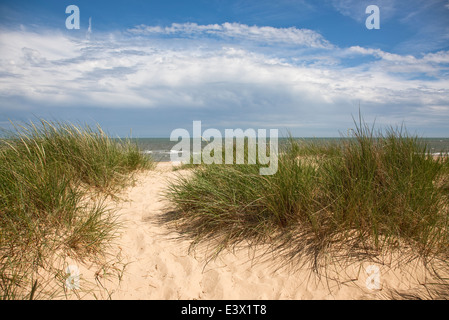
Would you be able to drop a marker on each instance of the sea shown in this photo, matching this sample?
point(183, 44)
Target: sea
point(160, 149)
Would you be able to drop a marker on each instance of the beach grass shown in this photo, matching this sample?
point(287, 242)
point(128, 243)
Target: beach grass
point(54, 179)
point(362, 196)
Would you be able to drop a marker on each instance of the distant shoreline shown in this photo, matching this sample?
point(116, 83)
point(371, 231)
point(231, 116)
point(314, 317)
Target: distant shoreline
point(160, 148)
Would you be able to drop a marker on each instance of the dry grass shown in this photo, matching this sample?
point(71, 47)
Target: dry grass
point(48, 174)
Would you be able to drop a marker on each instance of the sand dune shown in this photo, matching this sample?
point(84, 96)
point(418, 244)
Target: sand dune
point(155, 263)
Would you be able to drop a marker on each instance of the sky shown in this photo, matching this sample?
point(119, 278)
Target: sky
point(146, 68)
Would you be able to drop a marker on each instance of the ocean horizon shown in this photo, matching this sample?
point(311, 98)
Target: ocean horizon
point(160, 149)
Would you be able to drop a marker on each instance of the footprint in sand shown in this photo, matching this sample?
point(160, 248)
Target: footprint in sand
point(139, 241)
point(211, 285)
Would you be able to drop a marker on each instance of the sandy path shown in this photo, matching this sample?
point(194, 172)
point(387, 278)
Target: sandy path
point(158, 265)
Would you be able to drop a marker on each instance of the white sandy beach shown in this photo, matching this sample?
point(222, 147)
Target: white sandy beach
point(156, 264)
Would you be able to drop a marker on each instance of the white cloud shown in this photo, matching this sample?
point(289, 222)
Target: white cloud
point(431, 64)
point(130, 70)
point(269, 35)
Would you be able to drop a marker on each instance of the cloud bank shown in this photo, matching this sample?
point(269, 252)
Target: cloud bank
point(236, 31)
point(232, 74)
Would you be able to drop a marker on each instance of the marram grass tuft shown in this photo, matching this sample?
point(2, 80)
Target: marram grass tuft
point(364, 195)
point(48, 172)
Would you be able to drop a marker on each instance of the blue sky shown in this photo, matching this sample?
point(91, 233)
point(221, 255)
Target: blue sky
point(299, 65)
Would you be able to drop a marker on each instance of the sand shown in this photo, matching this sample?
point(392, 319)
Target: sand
point(151, 261)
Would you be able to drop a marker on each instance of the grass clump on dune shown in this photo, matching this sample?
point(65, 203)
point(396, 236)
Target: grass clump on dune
point(368, 193)
point(47, 175)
